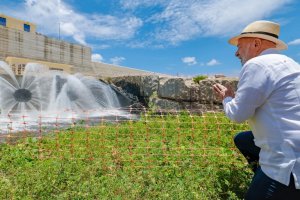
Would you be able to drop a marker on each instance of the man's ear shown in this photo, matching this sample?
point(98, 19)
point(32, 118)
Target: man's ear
point(257, 43)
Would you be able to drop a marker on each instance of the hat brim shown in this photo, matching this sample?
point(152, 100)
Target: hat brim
point(280, 45)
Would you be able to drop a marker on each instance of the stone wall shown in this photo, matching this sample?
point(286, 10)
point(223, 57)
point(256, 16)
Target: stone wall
point(172, 92)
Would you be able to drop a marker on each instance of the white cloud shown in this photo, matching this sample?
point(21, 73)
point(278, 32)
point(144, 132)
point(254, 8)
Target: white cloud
point(117, 60)
point(169, 68)
point(96, 46)
point(133, 4)
point(97, 57)
point(189, 60)
point(188, 19)
point(52, 15)
point(213, 62)
point(175, 20)
point(294, 42)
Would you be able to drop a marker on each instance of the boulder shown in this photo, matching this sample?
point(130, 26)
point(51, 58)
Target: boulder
point(173, 92)
point(165, 104)
point(141, 86)
point(175, 89)
point(180, 89)
point(206, 93)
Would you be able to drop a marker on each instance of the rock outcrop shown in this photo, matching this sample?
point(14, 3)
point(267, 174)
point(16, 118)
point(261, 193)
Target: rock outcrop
point(172, 92)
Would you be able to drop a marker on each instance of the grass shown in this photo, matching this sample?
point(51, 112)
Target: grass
point(179, 156)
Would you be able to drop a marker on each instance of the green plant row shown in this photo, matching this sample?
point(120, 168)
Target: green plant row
point(157, 157)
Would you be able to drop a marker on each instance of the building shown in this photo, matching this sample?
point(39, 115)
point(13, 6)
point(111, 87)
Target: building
point(17, 24)
point(21, 44)
point(18, 65)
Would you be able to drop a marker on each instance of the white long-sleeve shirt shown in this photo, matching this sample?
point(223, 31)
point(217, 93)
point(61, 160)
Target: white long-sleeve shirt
point(268, 96)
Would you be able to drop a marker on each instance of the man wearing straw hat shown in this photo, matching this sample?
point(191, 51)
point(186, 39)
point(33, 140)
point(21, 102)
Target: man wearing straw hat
point(268, 96)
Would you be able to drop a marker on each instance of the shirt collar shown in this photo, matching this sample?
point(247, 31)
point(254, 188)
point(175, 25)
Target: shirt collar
point(265, 52)
point(269, 51)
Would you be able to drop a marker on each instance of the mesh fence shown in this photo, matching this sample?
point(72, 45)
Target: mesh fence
point(130, 138)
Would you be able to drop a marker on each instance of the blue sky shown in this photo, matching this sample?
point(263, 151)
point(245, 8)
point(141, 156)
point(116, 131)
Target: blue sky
point(177, 37)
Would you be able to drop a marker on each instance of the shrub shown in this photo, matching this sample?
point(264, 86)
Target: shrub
point(199, 78)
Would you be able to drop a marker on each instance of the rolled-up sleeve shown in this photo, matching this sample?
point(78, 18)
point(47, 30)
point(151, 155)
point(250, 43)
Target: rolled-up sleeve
point(254, 87)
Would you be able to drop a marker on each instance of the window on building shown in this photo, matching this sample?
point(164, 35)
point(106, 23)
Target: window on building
point(13, 68)
point(27, 27)
point(57, 69)
point(2, 21)
point(19, 70)
point(23, 68)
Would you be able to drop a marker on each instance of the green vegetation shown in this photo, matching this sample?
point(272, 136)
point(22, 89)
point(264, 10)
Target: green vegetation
point(199, 78)
point(151, 104)
point(107, 80)
point(161, 156)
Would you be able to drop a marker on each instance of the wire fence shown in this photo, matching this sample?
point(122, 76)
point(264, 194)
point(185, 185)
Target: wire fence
point(127, 138)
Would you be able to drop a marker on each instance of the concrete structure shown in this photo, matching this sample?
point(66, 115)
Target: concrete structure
point(17, 24)
point(19, 46)
point(103, 70)
point(36, 47)
point(18, 65)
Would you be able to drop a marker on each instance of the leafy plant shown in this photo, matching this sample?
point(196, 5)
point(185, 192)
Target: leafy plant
point(199, 78)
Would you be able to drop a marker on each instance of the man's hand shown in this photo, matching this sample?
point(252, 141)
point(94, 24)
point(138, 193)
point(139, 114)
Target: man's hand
point(222, 91)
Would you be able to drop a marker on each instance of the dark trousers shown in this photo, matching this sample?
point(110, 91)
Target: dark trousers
point(262, 187)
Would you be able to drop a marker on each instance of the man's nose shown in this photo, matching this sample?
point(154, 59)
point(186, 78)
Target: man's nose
point(237, 54)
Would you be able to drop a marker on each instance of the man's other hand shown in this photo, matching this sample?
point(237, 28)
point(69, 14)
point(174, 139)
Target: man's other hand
point(222, 91)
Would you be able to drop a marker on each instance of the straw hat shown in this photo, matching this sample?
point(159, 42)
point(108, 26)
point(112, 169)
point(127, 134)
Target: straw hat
point(261, 29)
